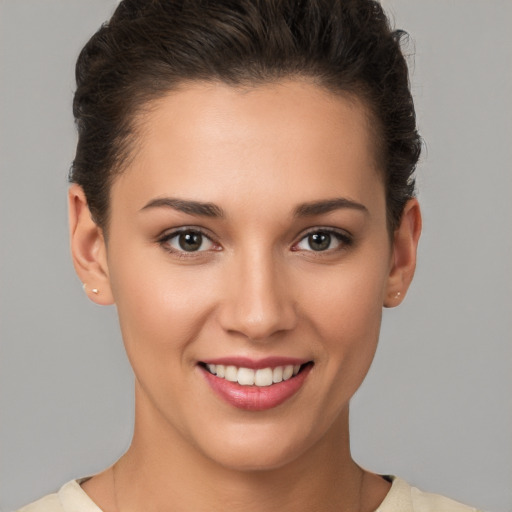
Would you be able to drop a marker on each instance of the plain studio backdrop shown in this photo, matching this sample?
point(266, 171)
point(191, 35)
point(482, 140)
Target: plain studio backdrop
point(436, 406)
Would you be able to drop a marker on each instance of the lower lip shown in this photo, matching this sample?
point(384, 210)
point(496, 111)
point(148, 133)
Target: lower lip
point(255, 398)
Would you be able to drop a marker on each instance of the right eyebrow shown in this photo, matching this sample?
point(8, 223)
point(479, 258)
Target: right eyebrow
point(186, 206)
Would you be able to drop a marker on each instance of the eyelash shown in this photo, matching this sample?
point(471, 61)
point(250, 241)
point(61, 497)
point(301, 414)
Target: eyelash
point(344, 239)
point(167, 237)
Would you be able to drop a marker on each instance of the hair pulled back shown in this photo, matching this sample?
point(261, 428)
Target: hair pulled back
point(150, 47)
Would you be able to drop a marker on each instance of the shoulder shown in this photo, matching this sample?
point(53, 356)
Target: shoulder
point(70, 498)
point(50, 503)
point(402, 497)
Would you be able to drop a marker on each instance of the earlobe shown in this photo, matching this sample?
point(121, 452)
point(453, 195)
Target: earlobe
point(88, 248)
point(405, 246)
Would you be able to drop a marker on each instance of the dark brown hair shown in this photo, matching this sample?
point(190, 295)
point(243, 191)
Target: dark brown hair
point(150, 47)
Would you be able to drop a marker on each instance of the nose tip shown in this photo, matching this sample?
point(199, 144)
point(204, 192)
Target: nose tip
point(257, 325)
point(259, 304)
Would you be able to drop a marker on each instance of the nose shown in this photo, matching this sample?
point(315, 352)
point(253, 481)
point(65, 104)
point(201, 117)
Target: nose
point(258, 301)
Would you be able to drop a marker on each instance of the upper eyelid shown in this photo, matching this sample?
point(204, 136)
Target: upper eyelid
point(344, 237)
point(163, 240)
point(324, 229)
point(172, 232)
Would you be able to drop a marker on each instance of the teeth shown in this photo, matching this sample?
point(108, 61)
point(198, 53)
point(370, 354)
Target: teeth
point(287, 372)
point(231, 373)
point(277, 374)
point(263, 377)
point(245, 376)
point(249, 377)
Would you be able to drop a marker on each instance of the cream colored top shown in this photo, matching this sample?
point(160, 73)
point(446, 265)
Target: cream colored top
point(400, 498)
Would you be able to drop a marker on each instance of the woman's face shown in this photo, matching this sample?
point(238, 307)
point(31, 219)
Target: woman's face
point(249, 231)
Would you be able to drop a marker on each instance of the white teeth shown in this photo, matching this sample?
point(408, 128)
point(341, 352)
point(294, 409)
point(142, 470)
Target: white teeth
point(249, 377)
point(287, 372)
point(231, 373)
point(277, 374)
point(263, 377)
point(245, 376)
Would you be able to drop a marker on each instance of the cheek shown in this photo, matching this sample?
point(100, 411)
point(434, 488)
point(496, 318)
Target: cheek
point(351, 325)
point(161, 307)
point(347, 299)
point(346, 314)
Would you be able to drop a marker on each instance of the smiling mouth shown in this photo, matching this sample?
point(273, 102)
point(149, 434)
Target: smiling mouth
point(263, 377)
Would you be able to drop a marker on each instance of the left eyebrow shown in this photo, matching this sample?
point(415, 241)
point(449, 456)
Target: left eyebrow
point(186, 206)
point(326, 206)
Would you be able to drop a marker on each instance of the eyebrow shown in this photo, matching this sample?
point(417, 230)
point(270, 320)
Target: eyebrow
point(326, 206)
point(191, 207)
point(212, 210)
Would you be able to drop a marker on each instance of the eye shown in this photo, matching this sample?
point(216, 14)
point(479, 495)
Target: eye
point(323, 240)
point(187, 240)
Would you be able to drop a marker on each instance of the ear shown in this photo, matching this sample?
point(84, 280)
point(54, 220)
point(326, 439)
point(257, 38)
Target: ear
point(403, 260)
point(88, 248)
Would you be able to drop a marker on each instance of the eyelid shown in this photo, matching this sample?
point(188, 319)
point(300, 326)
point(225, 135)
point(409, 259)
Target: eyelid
point(169, 234)
point(344, 237)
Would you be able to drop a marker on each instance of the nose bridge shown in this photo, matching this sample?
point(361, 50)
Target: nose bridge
point(259, 302)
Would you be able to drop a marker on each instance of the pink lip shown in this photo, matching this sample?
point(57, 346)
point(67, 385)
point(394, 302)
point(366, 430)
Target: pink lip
point(267, 362)
point(254, 398)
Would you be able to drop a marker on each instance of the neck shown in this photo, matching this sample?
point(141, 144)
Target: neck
point(176, 476)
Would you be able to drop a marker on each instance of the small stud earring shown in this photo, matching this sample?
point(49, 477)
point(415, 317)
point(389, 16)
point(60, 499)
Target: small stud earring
point(93, 290)
point(397, 296)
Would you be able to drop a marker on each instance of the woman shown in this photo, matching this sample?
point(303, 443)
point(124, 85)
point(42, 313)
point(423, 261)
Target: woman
point(242, 192)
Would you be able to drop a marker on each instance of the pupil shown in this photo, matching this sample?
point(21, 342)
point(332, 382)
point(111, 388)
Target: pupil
point(190, 241)
point(319, 241)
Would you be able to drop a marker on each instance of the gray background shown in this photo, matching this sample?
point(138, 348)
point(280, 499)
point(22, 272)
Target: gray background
point(436, 407)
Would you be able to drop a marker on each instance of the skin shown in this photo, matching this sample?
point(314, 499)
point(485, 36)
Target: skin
point(256, 290)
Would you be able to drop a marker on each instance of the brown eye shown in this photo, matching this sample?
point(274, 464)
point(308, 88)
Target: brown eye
point(189, 240)
point(323, 240)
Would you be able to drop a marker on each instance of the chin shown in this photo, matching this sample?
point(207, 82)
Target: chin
point(251, 459)
point(247, 448)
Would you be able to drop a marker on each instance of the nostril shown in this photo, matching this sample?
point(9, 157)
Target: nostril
point(257, 322)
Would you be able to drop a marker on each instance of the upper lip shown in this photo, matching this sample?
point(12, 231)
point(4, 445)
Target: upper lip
point(256, 364)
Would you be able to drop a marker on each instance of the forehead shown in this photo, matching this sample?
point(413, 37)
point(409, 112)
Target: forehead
point(289, 140)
